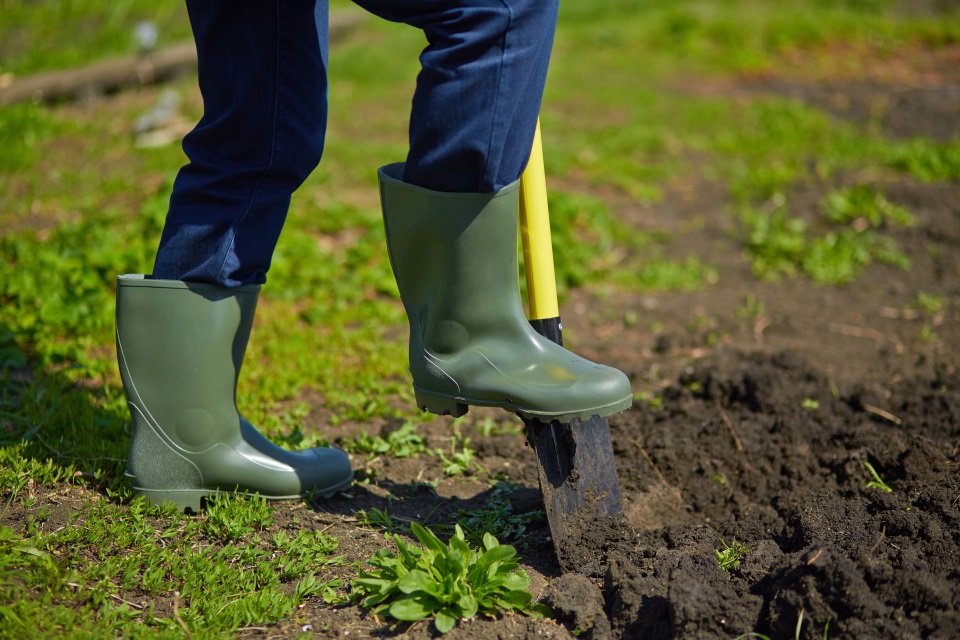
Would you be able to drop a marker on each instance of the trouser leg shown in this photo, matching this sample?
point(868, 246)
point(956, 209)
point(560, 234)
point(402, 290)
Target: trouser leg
point(479, 91)
point(262, 73)
point(262, 68)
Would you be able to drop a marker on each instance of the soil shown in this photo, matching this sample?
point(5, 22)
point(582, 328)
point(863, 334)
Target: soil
point(751, 428)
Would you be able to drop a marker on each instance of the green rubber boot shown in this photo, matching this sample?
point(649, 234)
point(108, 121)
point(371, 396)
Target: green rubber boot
point(454, 256)
point(180, 346)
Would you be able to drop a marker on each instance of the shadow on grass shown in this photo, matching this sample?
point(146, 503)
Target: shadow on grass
point(59, 422)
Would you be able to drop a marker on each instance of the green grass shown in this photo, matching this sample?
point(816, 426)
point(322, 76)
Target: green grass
point(404, 442)
point(218, 569)
point(632, 110)
point(49, 35)
point(592, 245)
point(832, 249)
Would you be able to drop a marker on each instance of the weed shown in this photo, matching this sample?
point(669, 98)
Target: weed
point(796, 631)
point(22, 128)
point(925, 160)
point(651, 400)
point(864, 207)
point(730, 556)
point(658, 274)
point(234, 517)
point(931, 304)
point(775, 241)
point(15, 552)
point(460, 458)
point(490, 427)
point(497, 518)
point(810, 404)
point(377, 518)
point(405, 442)
point(304, 553)
point(752, 308)
point(779, 244)
point(309, 586)
point(592, 244)
point(445, 582)
point(927, 334)
point(221, 586)
point(877, 482)
point(35, 39)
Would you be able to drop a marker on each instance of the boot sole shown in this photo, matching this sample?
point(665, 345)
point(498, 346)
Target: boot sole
point(444, 405)
point(192, 499)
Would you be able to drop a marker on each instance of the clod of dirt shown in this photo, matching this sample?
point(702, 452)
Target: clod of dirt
point(578, 602)
point(676, 595)
point(737, 455)
point(588, 540)
point(760, 560)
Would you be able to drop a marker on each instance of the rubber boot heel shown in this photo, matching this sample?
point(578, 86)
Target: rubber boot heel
point(183, 500)
point(438, 404)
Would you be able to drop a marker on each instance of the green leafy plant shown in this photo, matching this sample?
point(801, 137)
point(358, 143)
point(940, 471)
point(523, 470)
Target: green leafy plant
point(779, 244)
point(926, 160)
point(496, 517)
point(649, 399)
point(775, 241)
point(405, 442)
point(378, 518)
point(490, 427)
point(460, 458)
point(233, 517)
point(838, 257)
point(730, 556)
point(446, 582)
point(751, 308)
point(863, 206)
point(877, 482)
point(15, 551)
point(304, 553)
point(931, 304)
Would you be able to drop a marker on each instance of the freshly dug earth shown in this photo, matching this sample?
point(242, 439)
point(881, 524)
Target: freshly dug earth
point(742, 460)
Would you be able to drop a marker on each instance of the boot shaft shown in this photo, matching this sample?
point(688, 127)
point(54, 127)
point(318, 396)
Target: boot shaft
point(454, 256)
point(180, 347)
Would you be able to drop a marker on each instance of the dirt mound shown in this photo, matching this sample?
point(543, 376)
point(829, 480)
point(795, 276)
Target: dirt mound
point(760, 450)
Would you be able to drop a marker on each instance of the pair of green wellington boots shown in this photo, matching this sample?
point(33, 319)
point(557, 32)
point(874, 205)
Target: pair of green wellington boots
point(180, 347)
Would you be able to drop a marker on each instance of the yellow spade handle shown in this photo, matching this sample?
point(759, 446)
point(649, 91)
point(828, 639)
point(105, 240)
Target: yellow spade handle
point(535, 237)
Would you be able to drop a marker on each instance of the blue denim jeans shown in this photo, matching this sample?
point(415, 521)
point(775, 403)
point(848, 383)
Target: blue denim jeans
point(262, 71)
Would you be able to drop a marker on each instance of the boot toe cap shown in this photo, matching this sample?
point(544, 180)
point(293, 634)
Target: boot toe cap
point(603, 390)
point(330, 472)
point(607, 383)
point(599, 390)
